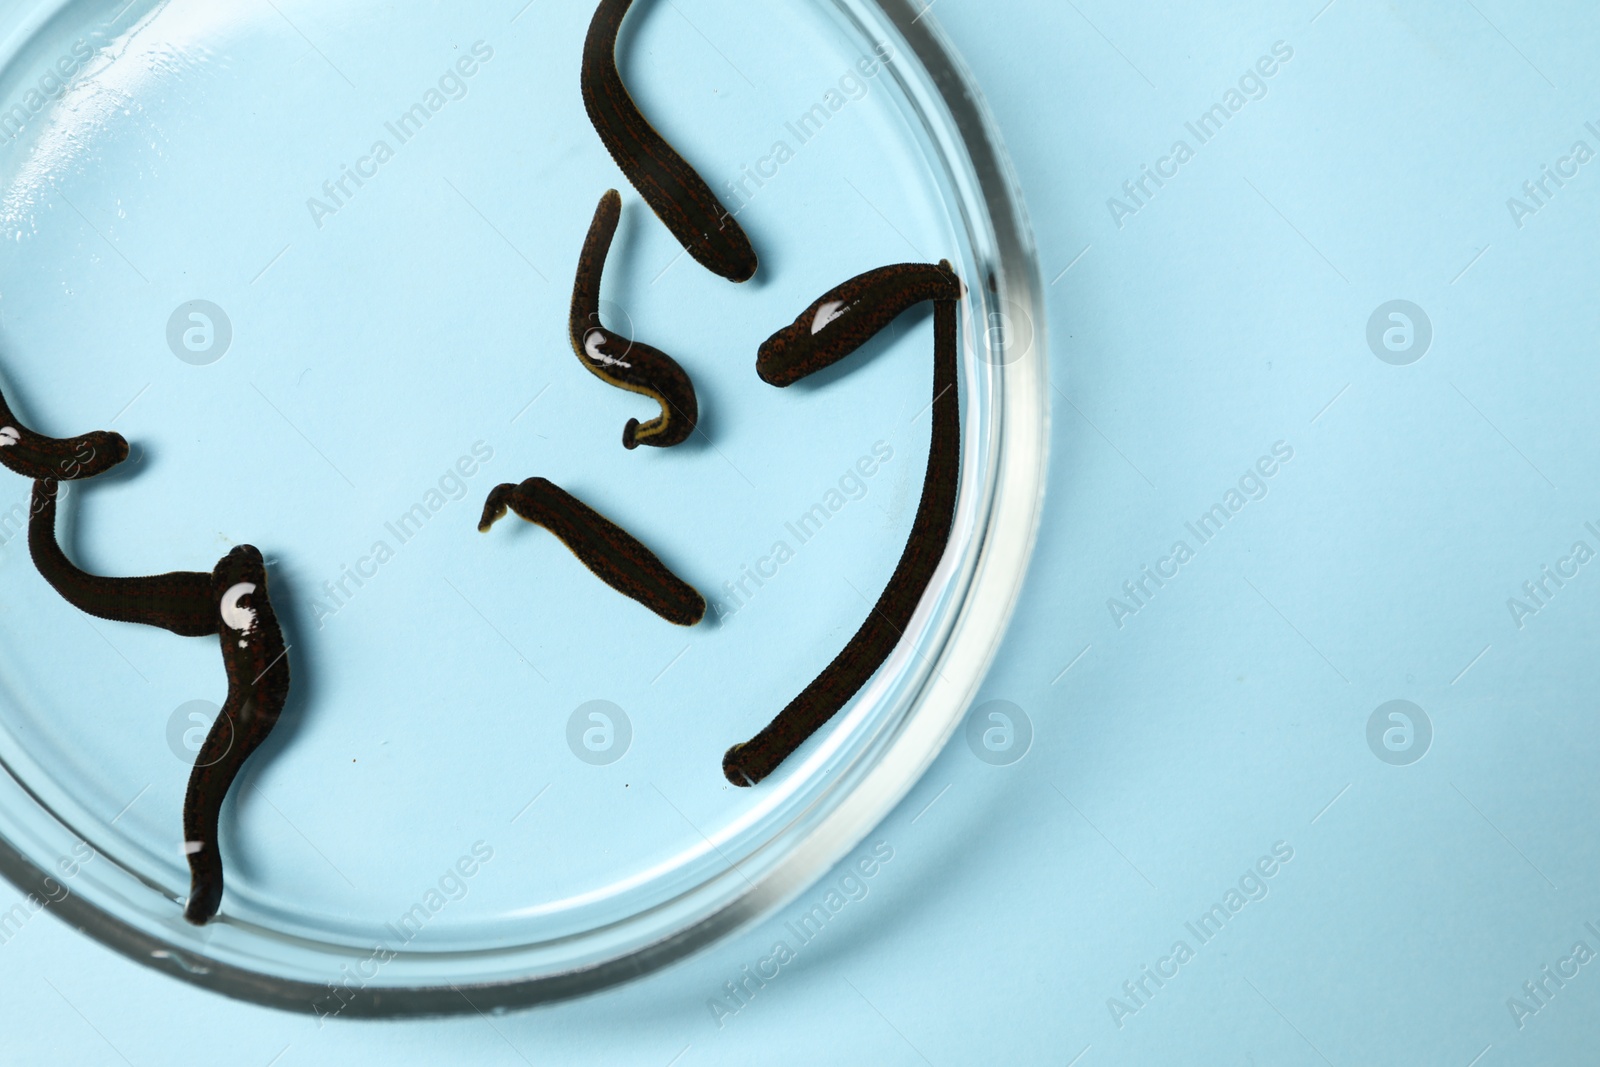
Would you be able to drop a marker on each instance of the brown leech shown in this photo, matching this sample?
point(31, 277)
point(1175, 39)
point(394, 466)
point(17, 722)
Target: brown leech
point(829, 330)
point(678, 196)
point(34, 456)
point(230, 602)
point(847, 317)
point(617, 361)
point(613, 554)
point(179, 601)
point(257, 662)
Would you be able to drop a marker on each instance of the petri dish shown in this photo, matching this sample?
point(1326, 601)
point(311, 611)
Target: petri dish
point(314, 262)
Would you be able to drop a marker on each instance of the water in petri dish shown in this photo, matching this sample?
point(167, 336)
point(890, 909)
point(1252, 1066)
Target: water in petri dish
point(314, 261)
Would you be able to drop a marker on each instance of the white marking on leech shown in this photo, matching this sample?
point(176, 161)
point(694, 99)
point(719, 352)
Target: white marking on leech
point(191, 847)
point(827, 313)
point(9, 436)
point(591, 347)
point(234, 616)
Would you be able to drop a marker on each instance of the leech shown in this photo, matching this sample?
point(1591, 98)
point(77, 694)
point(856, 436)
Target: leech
point(678, 195)
point(615, 556)
point(871, 302)
point(845, 318)
point(34, 456)
point(231, 602)
point(617, 361)
point(257, 663)
point(179, 601)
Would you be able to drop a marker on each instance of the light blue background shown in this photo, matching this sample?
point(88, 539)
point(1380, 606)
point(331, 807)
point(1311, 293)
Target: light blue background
point(1230, 713)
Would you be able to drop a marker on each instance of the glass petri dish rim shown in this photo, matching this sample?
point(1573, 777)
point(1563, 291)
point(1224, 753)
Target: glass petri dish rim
point(1012, 463)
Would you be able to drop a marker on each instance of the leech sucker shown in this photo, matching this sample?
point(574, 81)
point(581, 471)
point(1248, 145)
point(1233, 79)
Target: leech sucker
point(845, 318)
point(180, 601)
point(678, 195)
point(748, 763)
point(614, 556)
point(257, 664)
point(34, 456)
point(617, 361)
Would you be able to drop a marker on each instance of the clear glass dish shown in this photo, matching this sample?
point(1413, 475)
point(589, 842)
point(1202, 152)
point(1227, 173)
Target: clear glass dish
point(495, 775)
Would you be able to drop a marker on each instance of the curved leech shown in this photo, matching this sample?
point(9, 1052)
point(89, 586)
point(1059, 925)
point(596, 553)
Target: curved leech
point(256, 660)
point(614, 556)
point(748, 763)
point(847, 316)
point(179, 601)
point(617, 361)
point(678, 195)
point(35, 456)
point(231, 601)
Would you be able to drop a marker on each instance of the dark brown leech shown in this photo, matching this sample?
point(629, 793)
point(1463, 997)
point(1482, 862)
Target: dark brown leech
point(179, 601)
point(67, 458)
point(615, 556)
point(678, 196)
point(846, 317)
point(257, 663)
point(748, 763)
point(617, 361)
